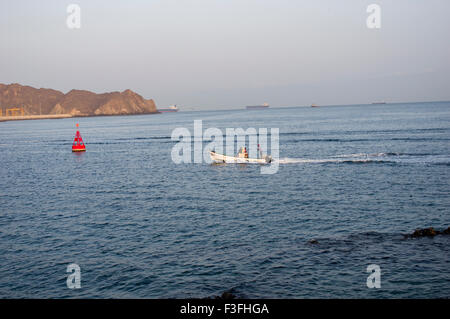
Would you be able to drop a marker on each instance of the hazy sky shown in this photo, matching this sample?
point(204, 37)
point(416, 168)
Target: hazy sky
point(217, 53)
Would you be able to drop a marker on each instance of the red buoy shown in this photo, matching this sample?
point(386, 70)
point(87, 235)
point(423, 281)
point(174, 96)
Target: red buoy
point(78, 144)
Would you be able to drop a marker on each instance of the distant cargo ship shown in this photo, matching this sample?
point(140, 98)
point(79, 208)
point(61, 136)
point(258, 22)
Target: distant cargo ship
point(256, 107)
point(381, 102)
point(314, 105)
point(172, 108)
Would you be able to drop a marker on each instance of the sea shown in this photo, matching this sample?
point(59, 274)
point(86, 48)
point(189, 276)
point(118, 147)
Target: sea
point(352, 181)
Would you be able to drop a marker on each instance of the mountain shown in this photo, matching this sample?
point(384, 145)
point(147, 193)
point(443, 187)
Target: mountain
point(76, 102)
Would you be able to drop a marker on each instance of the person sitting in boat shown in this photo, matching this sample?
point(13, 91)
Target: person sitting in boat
point(243, 152)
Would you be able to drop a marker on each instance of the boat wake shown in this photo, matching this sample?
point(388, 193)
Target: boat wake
point(401, 158)
point(325, 160)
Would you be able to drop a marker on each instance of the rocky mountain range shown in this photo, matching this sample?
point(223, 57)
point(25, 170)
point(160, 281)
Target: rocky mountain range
point(76, 102)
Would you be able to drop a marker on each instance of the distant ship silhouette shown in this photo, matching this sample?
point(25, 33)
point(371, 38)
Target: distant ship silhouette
point(255, 107)
point(172, 108)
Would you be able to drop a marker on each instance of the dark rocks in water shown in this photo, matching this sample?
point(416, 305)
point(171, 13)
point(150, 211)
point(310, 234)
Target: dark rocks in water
point(226, 295)
point(313, 242)
point(428, 232)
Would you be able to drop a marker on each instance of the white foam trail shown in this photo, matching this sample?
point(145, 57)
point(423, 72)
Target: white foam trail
point(324, 160)
point(351, 155)
point(365, 155)
point(368, 158)
point(356, 158)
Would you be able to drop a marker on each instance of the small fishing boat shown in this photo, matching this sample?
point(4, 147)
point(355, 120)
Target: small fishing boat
point(242, 157)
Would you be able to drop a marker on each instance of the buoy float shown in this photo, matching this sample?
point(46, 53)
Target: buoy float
point(78, 144)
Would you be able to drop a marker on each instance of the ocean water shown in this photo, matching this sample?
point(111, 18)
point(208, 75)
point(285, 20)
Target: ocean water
point(353, 178)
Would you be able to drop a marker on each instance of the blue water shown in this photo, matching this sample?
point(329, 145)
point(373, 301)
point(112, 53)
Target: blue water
point(354, 178)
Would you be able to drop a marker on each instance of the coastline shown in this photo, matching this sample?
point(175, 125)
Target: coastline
point(34, 117)
point(59, 116)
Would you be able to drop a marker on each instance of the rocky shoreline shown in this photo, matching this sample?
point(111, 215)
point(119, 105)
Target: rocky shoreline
point(34, 117)
point(60, 116)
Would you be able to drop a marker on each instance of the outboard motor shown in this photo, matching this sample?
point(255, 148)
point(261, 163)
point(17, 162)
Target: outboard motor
point(268, 158)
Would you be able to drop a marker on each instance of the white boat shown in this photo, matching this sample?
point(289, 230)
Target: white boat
point(172, 108)
point(256, 107)
point(241, 158)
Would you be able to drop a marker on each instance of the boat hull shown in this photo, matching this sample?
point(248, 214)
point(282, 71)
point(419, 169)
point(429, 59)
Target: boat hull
point(219, 158)
point(256, 107)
